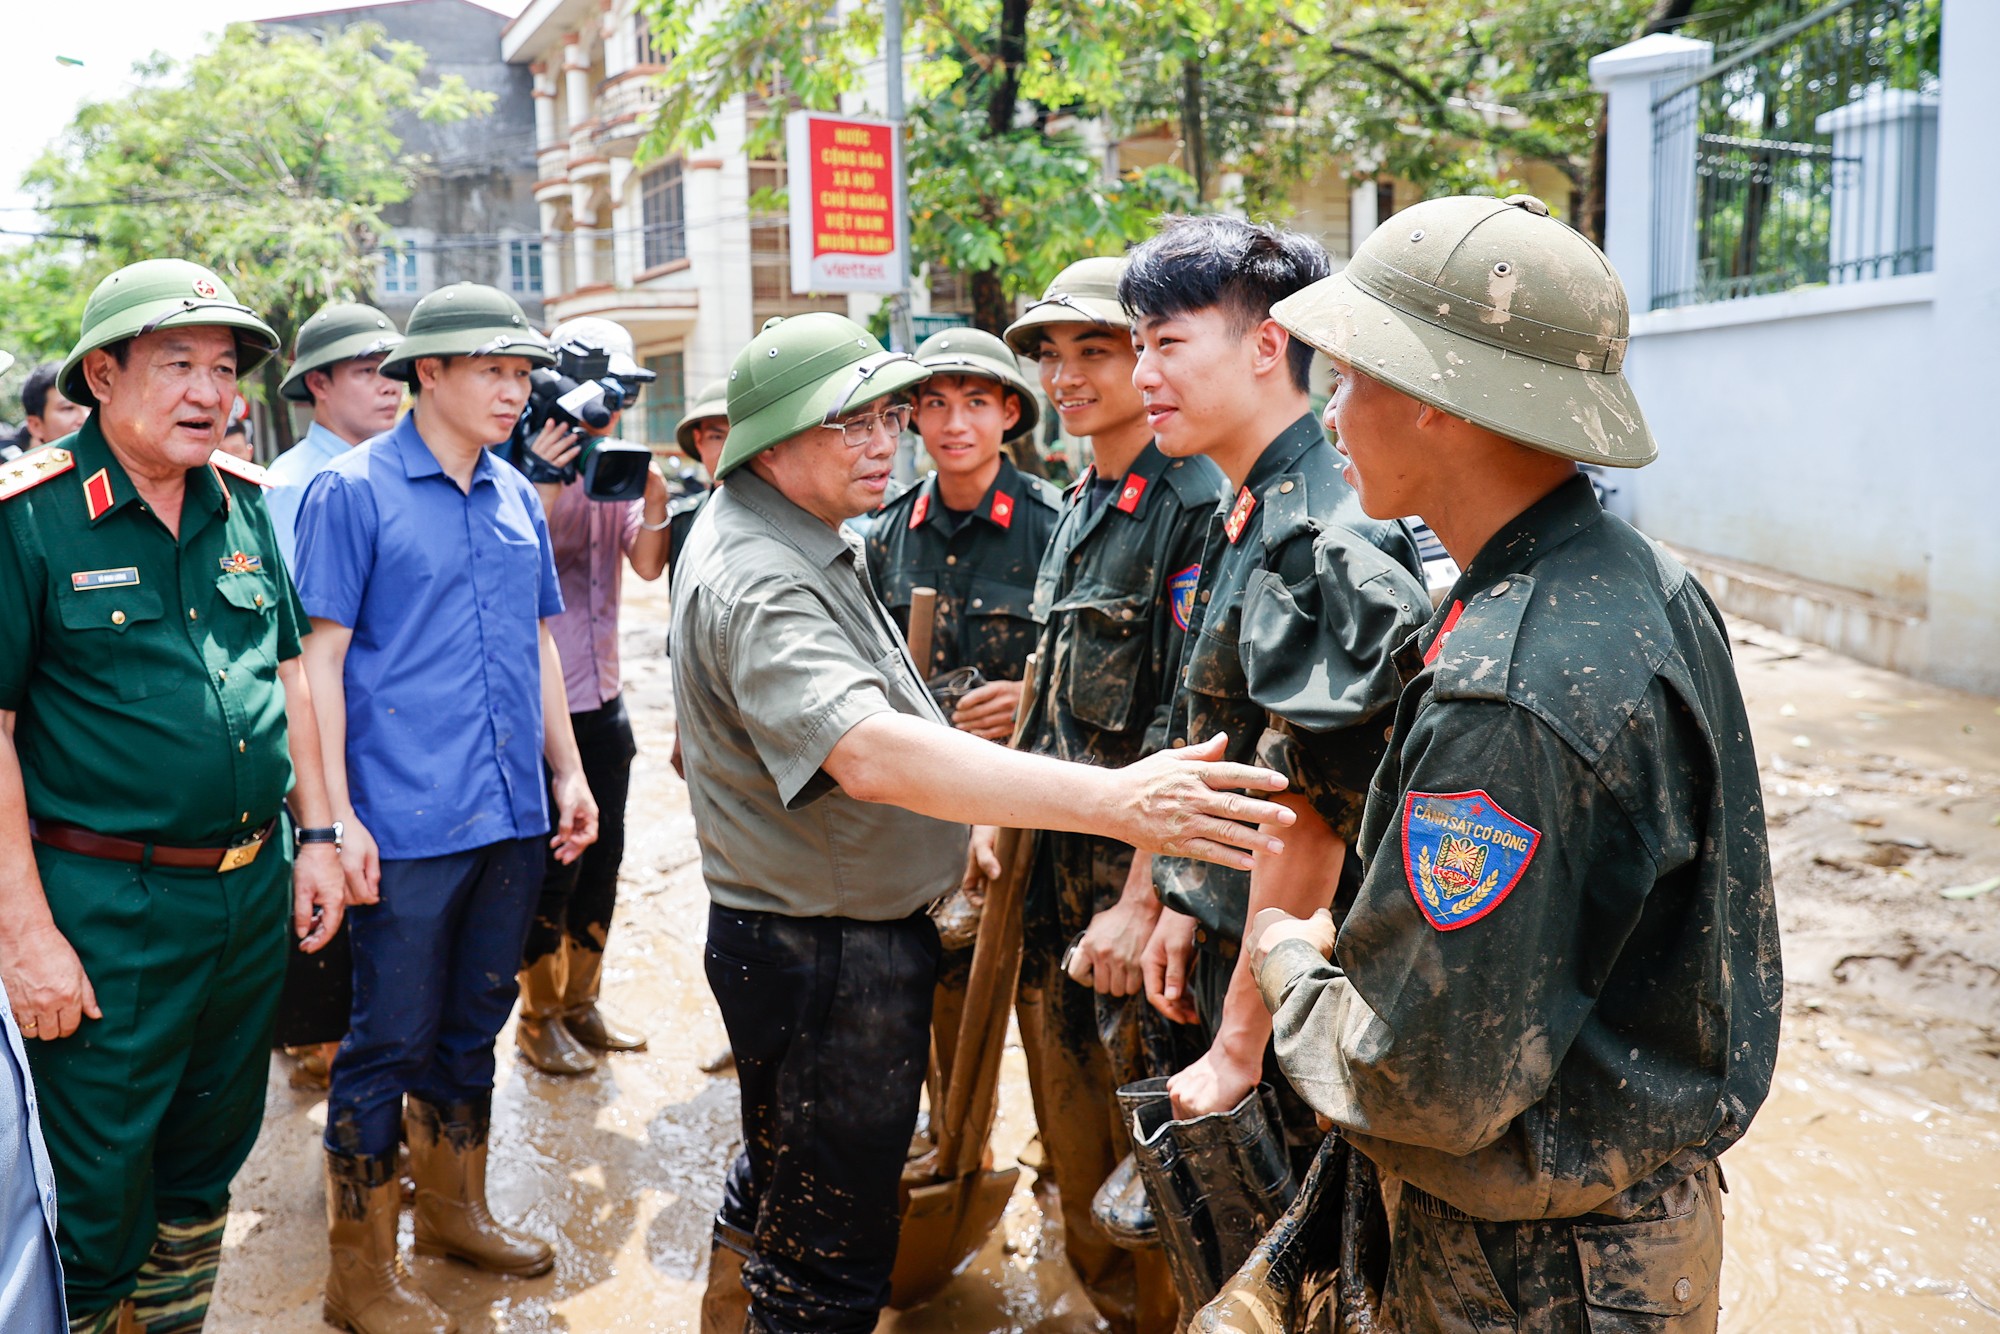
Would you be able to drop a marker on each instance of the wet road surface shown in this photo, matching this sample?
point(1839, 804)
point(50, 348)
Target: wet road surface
point(1864, 1198)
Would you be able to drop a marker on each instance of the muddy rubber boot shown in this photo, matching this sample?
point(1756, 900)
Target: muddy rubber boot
point(1217, 1183)
point(448, 1161)
point(367, 1289)
point(1122, 1209)
point(175, 1283)
point(586, 1023)
point(540, 1032)
point(725, 1302)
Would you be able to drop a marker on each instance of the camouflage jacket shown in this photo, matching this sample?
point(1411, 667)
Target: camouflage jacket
point(1303, 599)
point(984, 573)
point(1558, 991)
point(1114, 594)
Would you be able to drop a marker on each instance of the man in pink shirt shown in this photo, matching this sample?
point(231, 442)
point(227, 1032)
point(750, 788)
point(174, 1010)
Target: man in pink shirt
point(563, 961)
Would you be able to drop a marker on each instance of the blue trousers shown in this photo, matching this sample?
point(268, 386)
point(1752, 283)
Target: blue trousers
point(434, 966)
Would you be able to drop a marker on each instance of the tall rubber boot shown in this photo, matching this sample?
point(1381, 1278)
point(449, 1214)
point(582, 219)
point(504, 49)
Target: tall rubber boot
point(581, 1015)
point(448, 1163)
point(725, 1303)
point(540, 1032)
point(1217, 1183)
point(178, 1277)
point(367, 1289)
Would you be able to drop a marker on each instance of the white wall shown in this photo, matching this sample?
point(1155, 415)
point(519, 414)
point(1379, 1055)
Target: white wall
point(1849, 435)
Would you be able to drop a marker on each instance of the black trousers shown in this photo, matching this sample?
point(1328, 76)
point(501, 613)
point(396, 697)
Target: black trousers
point(577, 899)
point(830, 1022)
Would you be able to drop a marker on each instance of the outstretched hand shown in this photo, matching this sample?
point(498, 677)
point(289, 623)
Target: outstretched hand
point(1182, 803)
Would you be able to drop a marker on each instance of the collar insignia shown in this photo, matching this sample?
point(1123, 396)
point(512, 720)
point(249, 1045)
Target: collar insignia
point(1128, 495)
point(1240, 515)
point(1003, 509)
point(921, 509)
point(97, 493)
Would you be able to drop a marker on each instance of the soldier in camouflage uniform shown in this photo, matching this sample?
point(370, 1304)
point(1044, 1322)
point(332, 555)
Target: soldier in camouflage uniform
point(1555, 1001)
point(1113, 597)
point(1301, 602)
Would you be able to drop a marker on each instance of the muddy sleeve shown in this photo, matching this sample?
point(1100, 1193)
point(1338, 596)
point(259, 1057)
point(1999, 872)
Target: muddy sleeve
point(1320, 629)
point(798, 681)
point(1181, 567)
point(1463, 974)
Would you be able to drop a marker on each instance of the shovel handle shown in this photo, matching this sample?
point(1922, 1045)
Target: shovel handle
point(923, 629)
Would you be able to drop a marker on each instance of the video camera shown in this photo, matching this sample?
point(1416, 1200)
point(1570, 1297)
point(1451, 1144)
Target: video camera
point(581, 391)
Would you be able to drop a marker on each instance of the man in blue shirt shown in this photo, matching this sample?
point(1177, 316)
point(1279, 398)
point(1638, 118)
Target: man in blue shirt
point(337, 369)
point(425, 565)
point(31, 1283)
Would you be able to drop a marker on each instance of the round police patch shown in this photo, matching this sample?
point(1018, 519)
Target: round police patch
point(1463, 855)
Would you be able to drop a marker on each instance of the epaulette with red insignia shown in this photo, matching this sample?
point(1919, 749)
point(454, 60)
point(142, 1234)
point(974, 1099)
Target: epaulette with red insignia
point(235, 467)
point(32, 469)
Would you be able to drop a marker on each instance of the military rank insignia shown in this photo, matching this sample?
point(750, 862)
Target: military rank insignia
point(1129, 495)
point(1180, 594)
point(1232, 527)
point(237, 562)
point(920, 509)
point(1003, 510)
point(1463, 855)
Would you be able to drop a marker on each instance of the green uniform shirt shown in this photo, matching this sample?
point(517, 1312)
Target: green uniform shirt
point(1113, 596)
point(1303, 600)
point(144, 669)
point(984, 571)
point(1558, 990)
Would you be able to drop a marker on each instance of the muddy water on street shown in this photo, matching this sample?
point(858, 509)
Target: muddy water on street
point(1863, 1199)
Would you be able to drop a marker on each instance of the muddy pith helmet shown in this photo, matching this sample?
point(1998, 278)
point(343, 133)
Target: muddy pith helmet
point(810, 370)
point(712, 401)
point(336, 333)
point(1495, 312)
point(159, 294)
point(976, 352)
point(1084, 293)
point(466, 320)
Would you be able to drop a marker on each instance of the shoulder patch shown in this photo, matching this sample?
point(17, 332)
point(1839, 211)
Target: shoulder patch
point(1476, 660)
point(1463, 855)
point(223, 461)
point(1042, 489)
point(33, 468)
point(1180, 595)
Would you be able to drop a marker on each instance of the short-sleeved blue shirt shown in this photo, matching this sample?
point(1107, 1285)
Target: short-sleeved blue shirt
point(443, 590)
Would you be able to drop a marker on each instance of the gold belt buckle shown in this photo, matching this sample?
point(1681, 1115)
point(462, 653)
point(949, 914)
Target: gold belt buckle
point(241, 855)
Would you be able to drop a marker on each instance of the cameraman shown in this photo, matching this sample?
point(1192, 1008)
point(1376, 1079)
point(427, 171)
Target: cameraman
point(563, 962)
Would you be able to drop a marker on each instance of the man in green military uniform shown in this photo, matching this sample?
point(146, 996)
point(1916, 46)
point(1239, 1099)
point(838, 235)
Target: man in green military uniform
point(1113, 596)
point(974, 530)
point(1302, 601)
point(1555, 1000)
point(154, 717)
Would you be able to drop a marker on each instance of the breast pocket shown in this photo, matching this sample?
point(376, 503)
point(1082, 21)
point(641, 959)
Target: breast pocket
point(245, 623)
point(1108, 642)
point(120, 637)
point(1000, 628)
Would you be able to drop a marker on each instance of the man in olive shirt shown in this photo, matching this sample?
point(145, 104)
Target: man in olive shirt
point(831, 802)
point(1555, 1001)
point(154, 716)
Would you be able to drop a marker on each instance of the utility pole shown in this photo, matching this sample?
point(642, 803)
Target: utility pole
point(900, 337)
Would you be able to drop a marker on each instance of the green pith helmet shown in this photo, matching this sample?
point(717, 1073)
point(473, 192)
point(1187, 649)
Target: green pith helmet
point(712, 401)
point(810, 370)
point(1084, 293)
point(336, 333)
point(976, 352)
point(1494, 312)
point(466, 320)
point(162, 294)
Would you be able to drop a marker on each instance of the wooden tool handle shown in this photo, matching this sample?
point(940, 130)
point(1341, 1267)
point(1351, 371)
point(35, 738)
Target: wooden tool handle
point(923, 629)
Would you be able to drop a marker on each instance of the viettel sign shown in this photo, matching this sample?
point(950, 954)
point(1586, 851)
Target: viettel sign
point(846, 181)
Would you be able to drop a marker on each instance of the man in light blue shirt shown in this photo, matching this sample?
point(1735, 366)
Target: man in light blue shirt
point(336, 367)
point(31, 1285)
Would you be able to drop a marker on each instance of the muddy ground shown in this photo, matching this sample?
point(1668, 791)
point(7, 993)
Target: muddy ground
point(1864, 1198)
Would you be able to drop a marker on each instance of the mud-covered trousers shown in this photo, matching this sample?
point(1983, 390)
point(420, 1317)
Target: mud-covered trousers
point(434, 980)
point(577, 899)
point(149, 1111)
point(1654, 1272)
point(829, 1018)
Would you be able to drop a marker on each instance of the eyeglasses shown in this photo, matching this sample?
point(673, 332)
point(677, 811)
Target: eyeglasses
point(858, 431)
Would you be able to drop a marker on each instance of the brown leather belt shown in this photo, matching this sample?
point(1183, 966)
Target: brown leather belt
point(85, 843)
